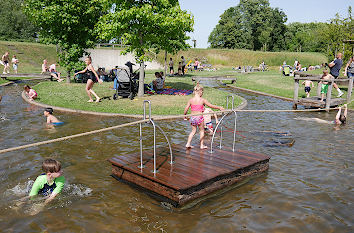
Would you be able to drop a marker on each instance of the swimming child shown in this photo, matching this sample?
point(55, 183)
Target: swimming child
point(339, 120)
point(197, 106)
point(51, 182)
point(324, 84)
point(308, 84)
point(48, 112)
point(32, 94)
point(208, 125)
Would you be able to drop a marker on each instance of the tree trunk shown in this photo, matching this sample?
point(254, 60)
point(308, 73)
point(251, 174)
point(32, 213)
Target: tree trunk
point(68, 77)
point(165, 64)
point(141, 80)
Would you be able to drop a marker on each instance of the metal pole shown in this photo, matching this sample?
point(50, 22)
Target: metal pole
point(141, 148)
point(153, 124)
point(220, 137)
point(233, 144)
point(168, 142)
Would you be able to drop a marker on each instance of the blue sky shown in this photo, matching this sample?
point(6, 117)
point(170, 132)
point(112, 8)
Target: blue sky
point(207, 13)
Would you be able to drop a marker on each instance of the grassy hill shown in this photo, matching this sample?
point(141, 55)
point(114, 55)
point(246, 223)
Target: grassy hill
point(238, 57)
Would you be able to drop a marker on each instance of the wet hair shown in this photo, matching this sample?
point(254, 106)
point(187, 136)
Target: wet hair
point(51, 166)
point(342, 119)
point(198, 88)
point(49, 110)
point(26, 87)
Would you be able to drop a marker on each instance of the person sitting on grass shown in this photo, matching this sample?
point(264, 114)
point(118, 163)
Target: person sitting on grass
point(45, 67)
point(308, 84)
point(31, 94)
point(158, 83)
point(54, 73)
point(324, 84)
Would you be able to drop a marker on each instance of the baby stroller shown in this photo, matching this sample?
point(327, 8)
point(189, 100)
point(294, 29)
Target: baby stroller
point(124, 84)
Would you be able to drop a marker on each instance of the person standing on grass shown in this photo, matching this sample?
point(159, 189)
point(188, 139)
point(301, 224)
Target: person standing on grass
point(349, 68)
point(92, 79)
point(6, 62)
point(334, 68)
point(183, 62)
point(170, 64)
point(14, 62)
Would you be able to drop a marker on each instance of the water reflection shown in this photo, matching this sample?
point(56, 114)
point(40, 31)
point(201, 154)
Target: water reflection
point(308, 187)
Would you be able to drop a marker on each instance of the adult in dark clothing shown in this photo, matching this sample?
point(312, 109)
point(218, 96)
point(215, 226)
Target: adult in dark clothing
point(183, 64)
point(334, 67)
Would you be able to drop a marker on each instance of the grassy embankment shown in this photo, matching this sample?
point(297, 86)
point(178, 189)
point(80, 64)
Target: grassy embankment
point(74, 96)
point(273, 82)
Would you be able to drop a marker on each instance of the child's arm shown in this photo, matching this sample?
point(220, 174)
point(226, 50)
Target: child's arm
point(338, 113)
point(216, 118)
point(187, 108)
point(49, 120)
point(212, 106)
point(312, 84)
point(346, 110)
point(81, 72)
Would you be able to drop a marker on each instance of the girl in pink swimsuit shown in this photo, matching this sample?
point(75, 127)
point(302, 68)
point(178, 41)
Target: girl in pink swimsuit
point(197, 106)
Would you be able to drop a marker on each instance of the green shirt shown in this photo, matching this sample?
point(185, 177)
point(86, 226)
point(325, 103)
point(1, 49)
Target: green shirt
point(42, 181)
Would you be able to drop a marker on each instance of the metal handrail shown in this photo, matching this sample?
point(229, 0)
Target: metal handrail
point(141, 138)
point(221, 128)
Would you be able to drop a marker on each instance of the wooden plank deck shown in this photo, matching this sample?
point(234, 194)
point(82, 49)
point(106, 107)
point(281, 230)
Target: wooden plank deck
point(316, 103)
point(194, 173)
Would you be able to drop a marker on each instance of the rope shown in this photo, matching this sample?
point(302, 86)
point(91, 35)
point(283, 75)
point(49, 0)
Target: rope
point(71, 136)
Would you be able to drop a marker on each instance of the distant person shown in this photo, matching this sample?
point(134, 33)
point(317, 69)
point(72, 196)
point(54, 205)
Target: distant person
point(196, 64)
point(31, 94)
point(308, 84)
point(208, 125)
point(6, 62)
point(334, 67)
point(102, 74)
point(183, 62)
point(349, 68)
point(92, 79)
point(180, 68)
point(296, 63)
point(311, 68)
point(299, 66)
point(170, 64)
point(51, 182)
point(197, 106)
point(158, 83)
point(54, 73)
point(324, 83)
point(48, 113)
point(262, 66)
point(45, 67)
point(14, 62)
point(340, 119)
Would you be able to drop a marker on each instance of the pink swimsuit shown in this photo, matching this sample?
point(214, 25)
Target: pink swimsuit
point(197, 120)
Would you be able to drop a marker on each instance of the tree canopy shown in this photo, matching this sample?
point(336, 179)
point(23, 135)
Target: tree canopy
point(252, 24)
point(69, 24)
point(146, 25)
point(14, 24)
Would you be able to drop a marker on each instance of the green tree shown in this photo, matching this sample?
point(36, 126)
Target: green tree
point(68, 24)
point(146, 25)
point(14, 24)
point(252, 24)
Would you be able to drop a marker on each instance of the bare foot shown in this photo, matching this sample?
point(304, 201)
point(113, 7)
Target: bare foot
point(90, 101)
point(98, 100)
point(203, 147)
point(189, 146)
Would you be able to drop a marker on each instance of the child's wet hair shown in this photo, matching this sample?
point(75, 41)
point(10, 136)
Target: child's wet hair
point(342, 119)
point(49, 110)
point(26, 87)
point(51, 166)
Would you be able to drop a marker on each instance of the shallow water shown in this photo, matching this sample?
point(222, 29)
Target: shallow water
point(308, 187)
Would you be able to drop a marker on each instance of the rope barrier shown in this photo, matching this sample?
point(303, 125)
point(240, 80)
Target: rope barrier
point(147, 120)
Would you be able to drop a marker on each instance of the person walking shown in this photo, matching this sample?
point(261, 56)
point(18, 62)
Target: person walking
point(334, 68)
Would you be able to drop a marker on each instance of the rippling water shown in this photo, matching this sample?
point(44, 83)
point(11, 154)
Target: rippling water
point(308, 187)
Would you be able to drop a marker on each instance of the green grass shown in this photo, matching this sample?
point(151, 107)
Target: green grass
point(74, 96)
point(273, 82)
point(238, 57)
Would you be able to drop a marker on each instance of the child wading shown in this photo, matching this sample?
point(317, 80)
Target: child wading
point(197, 106)
point(308, 84)
point(51, 182)
point(48, 112)
point(32, 94)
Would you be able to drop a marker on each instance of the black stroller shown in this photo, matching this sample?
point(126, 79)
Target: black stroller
point(124, 82)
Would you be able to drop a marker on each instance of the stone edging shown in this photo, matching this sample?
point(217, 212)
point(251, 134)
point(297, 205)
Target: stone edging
point(69, 110)
point(261, 93)
point(6, 84)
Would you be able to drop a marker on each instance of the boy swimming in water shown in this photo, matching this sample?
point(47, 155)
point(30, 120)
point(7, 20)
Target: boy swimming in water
point(51, 182)
point(339, 120)
point(48, 112)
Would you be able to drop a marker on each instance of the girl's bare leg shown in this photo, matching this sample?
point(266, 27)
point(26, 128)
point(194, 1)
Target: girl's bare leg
point(89, 85)
point(93, 93)
point(190, 137)
point(201, 132)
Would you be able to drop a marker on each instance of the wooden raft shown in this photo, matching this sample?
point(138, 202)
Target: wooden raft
point(194, 173)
